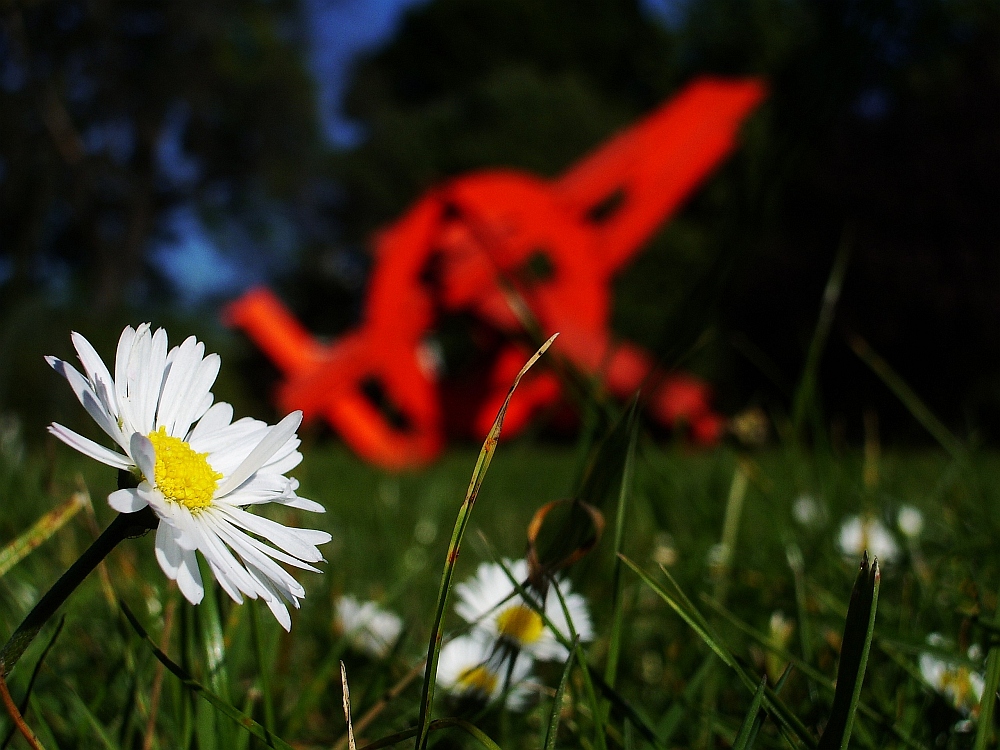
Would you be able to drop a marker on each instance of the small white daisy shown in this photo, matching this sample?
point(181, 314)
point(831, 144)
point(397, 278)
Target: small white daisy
point(958, 683)
point(196, 468)
point(369, 628)
point(858, 534)
point(910, 521)
point(472, 665)
point(490, 601)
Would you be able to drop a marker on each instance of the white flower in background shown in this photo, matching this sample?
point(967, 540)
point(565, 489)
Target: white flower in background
point(491, 602)
point(472, 665)
point(808, 511)
point(369, 628)
point(859, 534)
point(957, 682)
point(196, 468)
point(910, 521)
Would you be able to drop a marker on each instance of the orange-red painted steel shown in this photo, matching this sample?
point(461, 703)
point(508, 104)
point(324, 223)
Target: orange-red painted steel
point(509, 249)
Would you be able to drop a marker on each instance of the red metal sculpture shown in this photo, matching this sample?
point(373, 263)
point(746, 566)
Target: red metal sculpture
point(486, 242)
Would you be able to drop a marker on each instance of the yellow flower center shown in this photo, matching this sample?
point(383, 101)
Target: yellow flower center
point(957, 683)
point(479, 680)
point(520, 623)
point(181, 474)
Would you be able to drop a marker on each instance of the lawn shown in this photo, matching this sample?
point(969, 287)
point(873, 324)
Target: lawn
point(781, 595)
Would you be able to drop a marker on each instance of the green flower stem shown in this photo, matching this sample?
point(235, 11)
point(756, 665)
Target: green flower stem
point(124, 526)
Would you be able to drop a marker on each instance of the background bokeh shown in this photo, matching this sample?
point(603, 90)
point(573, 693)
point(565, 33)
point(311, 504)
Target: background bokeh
point(157, 159)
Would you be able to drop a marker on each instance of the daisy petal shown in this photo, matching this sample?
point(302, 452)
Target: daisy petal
point(88, 447)
point(144, 456)
point(189, 578)
point(272, 442)
point(88, 398)
point(127, 500)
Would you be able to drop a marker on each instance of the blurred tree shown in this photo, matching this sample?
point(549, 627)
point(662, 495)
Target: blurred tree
point(883, 125)
point(125, 121)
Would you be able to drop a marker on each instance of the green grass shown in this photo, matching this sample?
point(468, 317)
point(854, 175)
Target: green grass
point(391, 533)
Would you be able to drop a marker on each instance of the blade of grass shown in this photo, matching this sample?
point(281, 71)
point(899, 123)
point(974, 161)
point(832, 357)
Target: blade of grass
point(591, 676)
point(40, 531)
point(909, 398)
point(752, 721)
point(88, 715)
point(987, 703)
point(597, 715)
point(552, 730)
point(15, 716)
point(447, 575)
point(805, 394)
point(797, 564)
point(697, 622)
point(858, 632)
point(347, 707)
point(388, 697)
point(196, 687)
point(478, 734)
point(263, 670)
point(817, 677)
point(617, 602)
point(23, 708)
point(671, 720)
point(149, 735)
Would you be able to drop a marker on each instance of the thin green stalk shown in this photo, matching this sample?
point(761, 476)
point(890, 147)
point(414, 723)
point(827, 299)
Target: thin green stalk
point(617, 604)
point(987, 704)
point(910, 399)
point(805, 395)
point(40, 531)
point(262, 672)
point(125, 525)
point(448, 574)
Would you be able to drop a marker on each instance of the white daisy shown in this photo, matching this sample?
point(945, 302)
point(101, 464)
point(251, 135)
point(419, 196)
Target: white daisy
point(910, 521)
point(369, 628)
point(958, 683)
point(490, 601)
point(472, 665)
point(858, 534)
point(196, 468)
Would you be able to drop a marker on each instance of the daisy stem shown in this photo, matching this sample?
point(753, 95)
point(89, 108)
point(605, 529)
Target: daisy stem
point(124, 526)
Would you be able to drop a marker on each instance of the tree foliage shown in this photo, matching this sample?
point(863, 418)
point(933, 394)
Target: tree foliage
point(112, 114)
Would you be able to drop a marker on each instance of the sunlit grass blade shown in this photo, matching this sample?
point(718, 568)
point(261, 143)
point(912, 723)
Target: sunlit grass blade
point(694, 622)
point(816, 677)
point(232, 713)
point(748, 731)
point(552, 730)
point(858, 632)
point(686, 610)
point(920, 411)
point(40, 531)
point(447, 575)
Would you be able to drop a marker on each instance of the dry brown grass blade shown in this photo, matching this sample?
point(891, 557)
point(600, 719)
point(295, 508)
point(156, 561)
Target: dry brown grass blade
point(16, 717)
point(347, 707)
